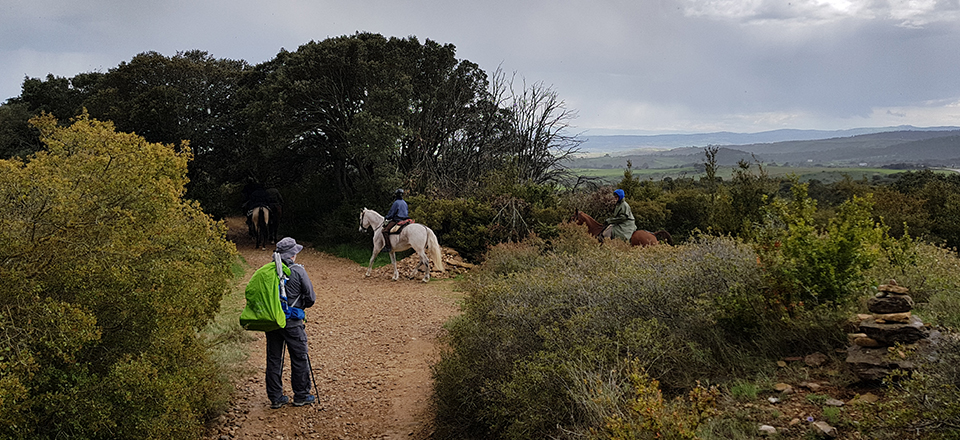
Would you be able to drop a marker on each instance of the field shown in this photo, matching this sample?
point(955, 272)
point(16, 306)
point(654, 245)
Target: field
point(805, 174)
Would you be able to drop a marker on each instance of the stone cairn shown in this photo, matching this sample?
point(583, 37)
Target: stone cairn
point(871, 357)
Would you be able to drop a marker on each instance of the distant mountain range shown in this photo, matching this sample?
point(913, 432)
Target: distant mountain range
point(892, 146)
point(626, 143)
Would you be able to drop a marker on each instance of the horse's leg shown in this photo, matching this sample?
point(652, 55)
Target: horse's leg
point(377, 245)
point(425, 262)
point(393, 259)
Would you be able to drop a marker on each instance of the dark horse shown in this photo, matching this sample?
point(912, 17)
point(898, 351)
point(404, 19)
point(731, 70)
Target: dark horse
point(260, 219)
point(639, 237)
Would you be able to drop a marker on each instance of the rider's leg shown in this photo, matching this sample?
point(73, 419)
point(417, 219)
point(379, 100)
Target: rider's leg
point(386, 235)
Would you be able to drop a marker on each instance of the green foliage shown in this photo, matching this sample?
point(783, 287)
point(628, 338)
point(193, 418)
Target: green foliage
point(463, 224)
point(932, 274)
point(744, 391)
point(542, 318)
point(650, 416)
point(689, 210)
point(109, 276)
point(812, 266)
point(925, 403)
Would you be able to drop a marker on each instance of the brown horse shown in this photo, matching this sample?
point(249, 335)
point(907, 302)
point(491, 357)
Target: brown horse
point(639, 237)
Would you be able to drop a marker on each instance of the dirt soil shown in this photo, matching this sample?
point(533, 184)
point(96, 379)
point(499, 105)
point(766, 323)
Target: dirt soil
point(372, 342)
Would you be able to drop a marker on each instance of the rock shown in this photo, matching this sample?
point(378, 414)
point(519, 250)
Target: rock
point(833, 402)
point(795, 421)
point(864, 399)
point(890, 334)
point(893, 288)
point(781, 364)
point(892, 318)
point(773, 400)
point(824, 429)
point(783, 388)
point(866, 342)
point(890, 304)
point(874, 363)
point(812, 386)
point(853, 336)
point(815, 359)
point(767, 430)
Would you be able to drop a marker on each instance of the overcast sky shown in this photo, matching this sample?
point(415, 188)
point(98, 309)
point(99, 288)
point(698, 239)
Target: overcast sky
point(625, 66)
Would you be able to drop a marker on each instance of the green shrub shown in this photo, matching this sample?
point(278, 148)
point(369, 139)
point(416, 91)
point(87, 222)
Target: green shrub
point(109, 274)
point(809, 266)
point(462, 224)
point(542, 321)
point(932, 274)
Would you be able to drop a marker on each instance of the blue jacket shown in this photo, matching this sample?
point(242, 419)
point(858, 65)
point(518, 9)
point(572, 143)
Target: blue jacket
point(398, 211)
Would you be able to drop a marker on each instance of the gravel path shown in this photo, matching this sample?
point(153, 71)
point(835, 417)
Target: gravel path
point(372, 342)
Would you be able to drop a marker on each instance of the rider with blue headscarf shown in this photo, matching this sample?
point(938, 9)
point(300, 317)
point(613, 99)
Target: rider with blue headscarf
point(622, 223)
point(397, 213)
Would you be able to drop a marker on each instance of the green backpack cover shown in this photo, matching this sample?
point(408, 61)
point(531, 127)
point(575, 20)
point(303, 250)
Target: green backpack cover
point(263, 311)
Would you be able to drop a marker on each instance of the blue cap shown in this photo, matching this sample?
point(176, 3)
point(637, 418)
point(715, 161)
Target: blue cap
point(620, 194)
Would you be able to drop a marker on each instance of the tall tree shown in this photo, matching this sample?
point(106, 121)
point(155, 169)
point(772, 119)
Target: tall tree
point(541, 139)
point(189, 96)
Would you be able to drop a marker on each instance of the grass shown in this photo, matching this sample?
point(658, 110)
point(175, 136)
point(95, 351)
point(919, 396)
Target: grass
point(823, 174)
point(226, 340)
point(744, 391)
point(361, 254)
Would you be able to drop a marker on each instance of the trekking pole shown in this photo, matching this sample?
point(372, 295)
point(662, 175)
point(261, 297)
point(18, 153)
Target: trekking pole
point(314, 378)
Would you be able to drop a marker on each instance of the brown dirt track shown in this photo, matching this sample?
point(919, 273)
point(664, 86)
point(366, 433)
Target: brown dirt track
point(372, 342)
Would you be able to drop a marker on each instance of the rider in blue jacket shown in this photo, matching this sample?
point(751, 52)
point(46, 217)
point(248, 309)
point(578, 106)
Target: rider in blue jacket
point(397, 213)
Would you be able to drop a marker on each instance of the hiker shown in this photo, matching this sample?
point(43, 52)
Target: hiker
point(300, 294)
point(397, 213)
point(622, 223)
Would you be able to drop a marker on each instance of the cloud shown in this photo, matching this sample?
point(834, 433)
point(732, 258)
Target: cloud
point(677, 65)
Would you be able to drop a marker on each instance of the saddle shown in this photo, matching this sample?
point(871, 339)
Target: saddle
point(400, 225)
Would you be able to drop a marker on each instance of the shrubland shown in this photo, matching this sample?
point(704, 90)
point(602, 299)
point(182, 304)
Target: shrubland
point(109, 274)
point(562, 337)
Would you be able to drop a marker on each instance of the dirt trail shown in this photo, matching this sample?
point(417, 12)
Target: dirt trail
point(372, 341)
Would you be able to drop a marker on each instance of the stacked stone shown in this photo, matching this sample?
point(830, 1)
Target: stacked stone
point(890, 323)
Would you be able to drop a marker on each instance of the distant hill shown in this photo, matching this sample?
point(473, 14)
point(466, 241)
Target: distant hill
point(919, 147)
point(619, 144)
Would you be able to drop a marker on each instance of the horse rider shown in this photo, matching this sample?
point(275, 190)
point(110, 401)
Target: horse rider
point(276, 211)
point(397, 213)
point(622, 224)
point(257, 196)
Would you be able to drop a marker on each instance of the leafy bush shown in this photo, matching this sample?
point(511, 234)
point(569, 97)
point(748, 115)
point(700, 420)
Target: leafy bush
point(108, 274)
point(806, 265)
point(650, 416)
point(462, 224)
point(547, 324)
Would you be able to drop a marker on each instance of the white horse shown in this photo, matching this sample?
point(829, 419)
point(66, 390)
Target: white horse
point(416, 236)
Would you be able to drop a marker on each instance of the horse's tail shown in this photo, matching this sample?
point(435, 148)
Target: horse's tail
point(663, 235)
point(264, 217)
point(436, 254)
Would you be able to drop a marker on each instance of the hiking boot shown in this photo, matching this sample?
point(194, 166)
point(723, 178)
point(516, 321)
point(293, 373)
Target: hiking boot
point(306, 400)
point(280, 402)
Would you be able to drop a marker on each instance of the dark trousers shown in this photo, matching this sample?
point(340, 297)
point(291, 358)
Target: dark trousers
point(295, 338)
point(386, 234)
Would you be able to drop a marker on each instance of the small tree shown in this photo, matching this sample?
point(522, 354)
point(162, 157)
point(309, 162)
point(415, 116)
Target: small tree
point(108, 273)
